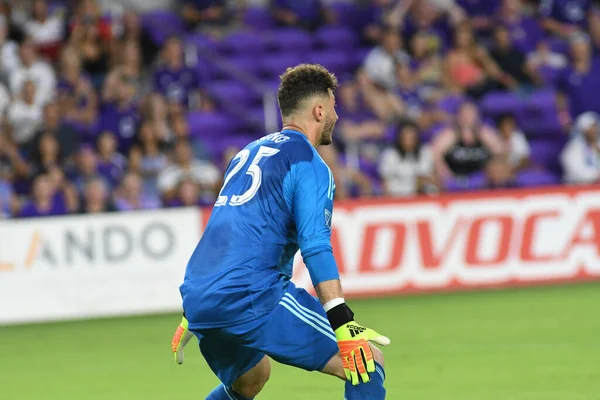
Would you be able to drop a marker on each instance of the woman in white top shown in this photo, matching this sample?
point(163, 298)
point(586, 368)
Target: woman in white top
point(406, 167)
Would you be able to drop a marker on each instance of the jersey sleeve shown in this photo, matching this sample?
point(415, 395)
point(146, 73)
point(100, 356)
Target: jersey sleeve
point(312, 189)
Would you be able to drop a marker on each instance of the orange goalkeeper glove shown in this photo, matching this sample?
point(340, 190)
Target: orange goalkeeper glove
point(181, 337)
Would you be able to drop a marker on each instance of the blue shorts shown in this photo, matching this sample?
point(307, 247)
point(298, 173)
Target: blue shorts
point(296, 332)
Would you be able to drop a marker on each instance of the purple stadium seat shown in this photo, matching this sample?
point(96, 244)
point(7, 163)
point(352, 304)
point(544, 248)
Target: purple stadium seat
point(542, 101)
point(336, 37)
point(546, 126)
point(240, 42)
point(290, 40)
point(536, 177)
point(160, 24)
point(546, 153)
point(473, 182)
point(357, 57)
point(203, 124)
point(451, 103)
point(335, 61)
point(274, 65)
point(201, 40)
point(496, 103)
point(248, 63)
point(232, 91)
point(348, 13)
point(258, 18)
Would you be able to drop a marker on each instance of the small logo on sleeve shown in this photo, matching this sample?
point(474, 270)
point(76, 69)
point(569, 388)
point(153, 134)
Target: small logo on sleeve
point(328, 218)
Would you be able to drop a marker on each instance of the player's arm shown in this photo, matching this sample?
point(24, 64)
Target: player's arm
point(312, 202)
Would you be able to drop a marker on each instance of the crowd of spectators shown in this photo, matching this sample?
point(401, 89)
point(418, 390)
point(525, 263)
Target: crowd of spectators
point(95, 106)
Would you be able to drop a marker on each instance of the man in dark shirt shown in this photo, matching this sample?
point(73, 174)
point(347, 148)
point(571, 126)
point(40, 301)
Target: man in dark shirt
point(511, 60)
point(66, 135)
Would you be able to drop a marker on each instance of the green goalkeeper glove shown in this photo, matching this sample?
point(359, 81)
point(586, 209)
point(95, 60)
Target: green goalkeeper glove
point(353, 340)
point(181, 337)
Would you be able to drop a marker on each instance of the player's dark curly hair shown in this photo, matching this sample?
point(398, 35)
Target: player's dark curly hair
point(302, 82)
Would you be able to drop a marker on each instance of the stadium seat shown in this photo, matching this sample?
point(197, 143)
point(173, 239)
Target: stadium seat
point(536, 177)
point(258, 18)
point(244, 42)
point(231, 91)
point(336, 37)
point(160, 24)
point(273, 65)
point(210, 125)
point(500, 102)
point(335, 61)
point(290, 39)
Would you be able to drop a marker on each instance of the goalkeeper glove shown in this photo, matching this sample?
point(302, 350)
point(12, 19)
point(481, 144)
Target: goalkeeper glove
point(353, 340)
point(181, 337)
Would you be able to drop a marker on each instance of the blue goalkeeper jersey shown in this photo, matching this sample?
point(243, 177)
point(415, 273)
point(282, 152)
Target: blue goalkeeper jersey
point(277, 197)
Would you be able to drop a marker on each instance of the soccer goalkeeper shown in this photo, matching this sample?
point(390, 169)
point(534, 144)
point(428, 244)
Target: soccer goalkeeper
point(238, 299)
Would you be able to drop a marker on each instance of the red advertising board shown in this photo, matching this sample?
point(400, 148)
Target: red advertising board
point(465, 241)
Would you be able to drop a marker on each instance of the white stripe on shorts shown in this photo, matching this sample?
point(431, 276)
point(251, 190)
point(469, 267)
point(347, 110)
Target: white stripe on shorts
point(324, 320)
point(306, 319)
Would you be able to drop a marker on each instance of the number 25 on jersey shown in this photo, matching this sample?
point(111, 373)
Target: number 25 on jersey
point(253, 170)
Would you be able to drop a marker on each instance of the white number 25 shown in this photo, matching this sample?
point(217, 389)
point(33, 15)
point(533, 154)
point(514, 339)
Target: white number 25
point(253, 170)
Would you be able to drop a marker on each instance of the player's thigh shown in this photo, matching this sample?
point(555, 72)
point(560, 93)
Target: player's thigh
point(297, 332)
point(227, 358)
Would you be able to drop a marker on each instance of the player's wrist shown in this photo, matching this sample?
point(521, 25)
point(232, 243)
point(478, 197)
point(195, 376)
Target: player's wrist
point(339, 315)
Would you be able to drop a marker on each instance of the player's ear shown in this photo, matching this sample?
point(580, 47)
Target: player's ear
point(318, 112)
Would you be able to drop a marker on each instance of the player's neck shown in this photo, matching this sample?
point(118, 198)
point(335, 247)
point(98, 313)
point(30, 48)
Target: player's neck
point(294, 127)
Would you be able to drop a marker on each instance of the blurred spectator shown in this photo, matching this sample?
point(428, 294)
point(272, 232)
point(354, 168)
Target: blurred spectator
point(111, 164)
point(44, 29)
point(75, 91)
point(466, 147)
point(92, 48)
point(201, 13)
point(357, 121)
point(514, 142)
point(188, 195)
point(524, 30)
point(87, 12)
point(95, 198)
point(546, 63)
point(129, 66)
point(511, 60)
point(147, 157)
point(133, 32)
point(406, 167)
point(67, 137)
point(172, 78)
point(86, 168)
point(64, 191)
point(129, 196)
point(438, 22)
point(121, 116)
point(4, 101)
point(480, 12)
point(9, 51)
point(308, 14)
point(181, 130)
point(469, 68)
point(24, 114)
point(350, 182)
point(499, 174)
point(380, 64)
point(426, 64)
point(7, 198)
point(564, 17)
point(12, 164)
point(15, 32)
point(581, 156)
point(184, 166)
point(156, 111)
point(47, 155)
point(44, 202)
point(32, 68)
point(579, 85)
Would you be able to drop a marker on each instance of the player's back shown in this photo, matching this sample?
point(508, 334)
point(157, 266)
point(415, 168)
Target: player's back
point(241, 265)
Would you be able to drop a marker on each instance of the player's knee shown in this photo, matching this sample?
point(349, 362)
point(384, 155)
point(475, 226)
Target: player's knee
point(252, 382)
point(377, 355)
